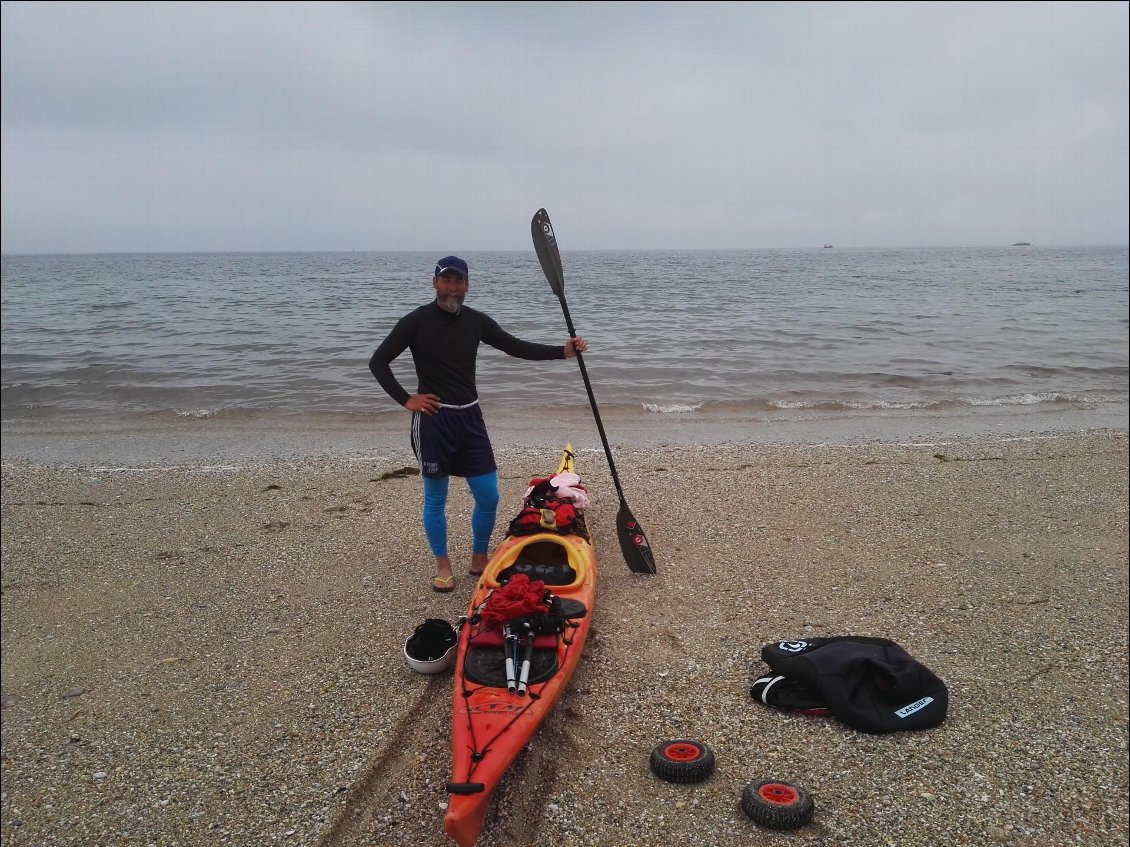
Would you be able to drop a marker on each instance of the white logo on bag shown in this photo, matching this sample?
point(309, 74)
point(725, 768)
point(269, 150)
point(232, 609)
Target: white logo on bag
point(907, 711)
point(793, 646)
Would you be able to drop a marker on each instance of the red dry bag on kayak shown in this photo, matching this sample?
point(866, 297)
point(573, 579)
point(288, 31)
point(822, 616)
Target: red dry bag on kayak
point(519, 597)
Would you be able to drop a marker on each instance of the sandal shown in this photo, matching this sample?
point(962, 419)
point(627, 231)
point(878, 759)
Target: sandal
point(443, 584)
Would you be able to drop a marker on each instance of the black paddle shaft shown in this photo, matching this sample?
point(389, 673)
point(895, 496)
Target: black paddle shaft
point(545, 245)
point(633, 541)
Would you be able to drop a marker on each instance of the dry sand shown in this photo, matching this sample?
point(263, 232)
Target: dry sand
point(212, 656)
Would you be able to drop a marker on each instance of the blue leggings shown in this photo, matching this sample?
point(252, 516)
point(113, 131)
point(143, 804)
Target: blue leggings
point(484, 488)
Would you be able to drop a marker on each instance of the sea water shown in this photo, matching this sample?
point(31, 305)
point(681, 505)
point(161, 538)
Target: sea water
point(681, 341)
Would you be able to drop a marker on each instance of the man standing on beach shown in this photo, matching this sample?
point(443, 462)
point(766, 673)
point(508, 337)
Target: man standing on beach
point(449, 436)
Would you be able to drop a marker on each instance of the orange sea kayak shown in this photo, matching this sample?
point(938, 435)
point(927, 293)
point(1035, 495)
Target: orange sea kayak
point(511, 668)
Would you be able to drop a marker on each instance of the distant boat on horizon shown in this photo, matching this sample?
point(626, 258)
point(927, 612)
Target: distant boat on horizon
point(1021, 244)
point(827, 246)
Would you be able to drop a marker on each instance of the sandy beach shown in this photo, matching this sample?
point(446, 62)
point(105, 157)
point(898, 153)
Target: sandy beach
point(211, 655)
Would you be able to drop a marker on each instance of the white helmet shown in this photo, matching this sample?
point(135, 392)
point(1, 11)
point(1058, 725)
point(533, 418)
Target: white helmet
point(431, 648)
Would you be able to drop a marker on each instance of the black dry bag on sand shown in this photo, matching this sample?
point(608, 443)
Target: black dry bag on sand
point(871, 684)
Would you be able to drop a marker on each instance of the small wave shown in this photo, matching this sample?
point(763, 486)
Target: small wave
point(1047, 397)
point(1026, 399)
point(196, 413)
point(841, 405)
point(672, 408)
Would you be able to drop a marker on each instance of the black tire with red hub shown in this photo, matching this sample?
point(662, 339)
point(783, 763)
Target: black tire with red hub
point(682, 760)
point(778, 805)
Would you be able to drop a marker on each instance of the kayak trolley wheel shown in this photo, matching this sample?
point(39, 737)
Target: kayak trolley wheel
point(777, 805)
point(682, 760)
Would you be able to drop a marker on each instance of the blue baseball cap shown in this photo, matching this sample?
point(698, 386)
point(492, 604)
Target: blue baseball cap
point(451, 263)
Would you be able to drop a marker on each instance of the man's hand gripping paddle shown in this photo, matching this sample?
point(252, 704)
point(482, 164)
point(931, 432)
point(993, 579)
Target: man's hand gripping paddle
point(633, 542)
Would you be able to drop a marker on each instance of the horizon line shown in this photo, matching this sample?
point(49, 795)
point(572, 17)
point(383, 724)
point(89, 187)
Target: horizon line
point(15, 254)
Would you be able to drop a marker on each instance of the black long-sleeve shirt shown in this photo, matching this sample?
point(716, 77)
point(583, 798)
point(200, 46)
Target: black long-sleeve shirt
point(444, 347)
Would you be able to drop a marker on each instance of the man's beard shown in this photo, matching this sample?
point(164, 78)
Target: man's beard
point(451, 303)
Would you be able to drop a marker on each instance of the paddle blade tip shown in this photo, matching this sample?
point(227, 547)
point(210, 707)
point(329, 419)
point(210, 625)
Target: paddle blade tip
point(634, 544)
point(541, 227)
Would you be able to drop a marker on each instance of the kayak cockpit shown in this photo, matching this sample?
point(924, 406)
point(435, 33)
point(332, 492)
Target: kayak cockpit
point(544, 560)
point(556, 560)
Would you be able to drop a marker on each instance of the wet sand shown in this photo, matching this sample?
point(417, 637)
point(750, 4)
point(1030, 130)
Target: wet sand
point(209, 654)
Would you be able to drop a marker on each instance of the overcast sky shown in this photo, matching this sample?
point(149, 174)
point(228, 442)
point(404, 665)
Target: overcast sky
point(445, 126)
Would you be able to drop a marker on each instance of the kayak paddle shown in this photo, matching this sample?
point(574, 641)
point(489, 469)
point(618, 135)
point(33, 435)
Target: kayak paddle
point(633, 542)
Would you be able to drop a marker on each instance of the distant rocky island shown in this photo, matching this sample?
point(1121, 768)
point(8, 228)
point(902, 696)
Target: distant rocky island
point(1021, 244)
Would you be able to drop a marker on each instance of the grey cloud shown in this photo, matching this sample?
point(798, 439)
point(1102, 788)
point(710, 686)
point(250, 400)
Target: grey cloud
point(415, 126)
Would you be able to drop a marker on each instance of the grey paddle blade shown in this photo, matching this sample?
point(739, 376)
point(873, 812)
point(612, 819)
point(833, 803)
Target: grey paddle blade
point(545, 245)
point(633, 542)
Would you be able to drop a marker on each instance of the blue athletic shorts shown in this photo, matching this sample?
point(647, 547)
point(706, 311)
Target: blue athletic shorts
point(452, 442)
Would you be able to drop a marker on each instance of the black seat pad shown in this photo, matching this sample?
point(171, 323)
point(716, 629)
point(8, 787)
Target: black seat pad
point(487, 666)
